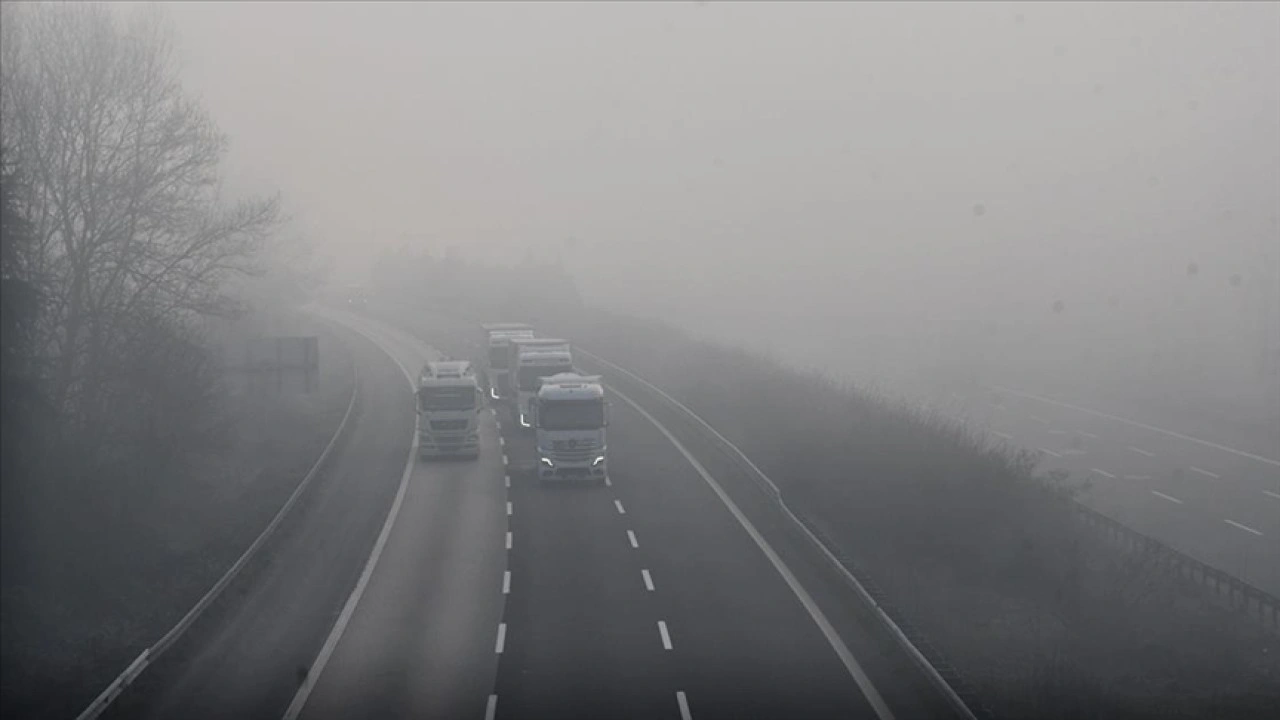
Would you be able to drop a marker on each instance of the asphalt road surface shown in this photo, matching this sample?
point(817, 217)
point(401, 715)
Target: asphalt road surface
point(1218, 504)
point(454, 589)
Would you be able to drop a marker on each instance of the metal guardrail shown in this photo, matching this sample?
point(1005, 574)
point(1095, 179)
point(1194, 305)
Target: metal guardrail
point(149, 655)
point(941, 674)
point(1226, 590)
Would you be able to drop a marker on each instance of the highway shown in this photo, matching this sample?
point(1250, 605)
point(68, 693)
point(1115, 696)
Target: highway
point(451, 589)
point(1218, 504)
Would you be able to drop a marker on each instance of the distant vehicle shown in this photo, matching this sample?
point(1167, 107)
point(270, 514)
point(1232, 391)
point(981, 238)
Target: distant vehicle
point(571, 418)
point(499, 337)
point(357, 298)
point(529, 360)
point(449, 404)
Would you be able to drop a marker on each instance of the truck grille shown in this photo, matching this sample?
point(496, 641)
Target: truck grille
point(448, 424)
point(578, 452)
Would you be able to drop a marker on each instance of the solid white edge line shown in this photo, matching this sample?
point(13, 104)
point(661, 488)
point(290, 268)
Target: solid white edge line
point(904, 642)
point(1144, 426)
point(666, 636)
point(348, 609)
point(1104, 473)
point(501, 644)
point(648, 580)
point(632, 537)
point(491, 708)
point(618, 504)
point(1170, 498)
point(819, 618)
point(506, 582)
point(1246, 528)
point(145, 658)
point(1206, 473)
point(684, 706)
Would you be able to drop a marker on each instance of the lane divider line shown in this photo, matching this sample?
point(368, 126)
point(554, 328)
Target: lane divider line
point(1002, 436)
point(502, 442)
point(1089, 435)
point(648, 580)
point(1140, 451)
point(618, 504)
point(1246, 528)
point(684, 706)
point(632, 537)
point(1050, 453)
point(1170, 498)
point(1057, 432)
point(1137, 477)
point(851, 664)
point(491, 708)
point(506, 582)
point(1205, 473)
point(502, 638)
point(508, 508)
point(504, 459)
point(349, 608)
point(1144, 426)
point(607, 481)
point(666, 637)
point(508, 539)
point(1104, 473)
point(506, 480)
point(1274, 495)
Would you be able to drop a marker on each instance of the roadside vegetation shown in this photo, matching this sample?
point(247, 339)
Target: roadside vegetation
point(971, 543)
point(135, 468)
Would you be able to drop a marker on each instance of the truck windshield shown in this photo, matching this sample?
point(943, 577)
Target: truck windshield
point(498, 357)
point(571, 414)
point(529, 375)
point(447, 398)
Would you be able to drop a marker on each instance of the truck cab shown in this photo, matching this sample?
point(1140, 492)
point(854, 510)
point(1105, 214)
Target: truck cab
point(531, 359)
point(449, 405)
point(499, 337)
point(571, 418)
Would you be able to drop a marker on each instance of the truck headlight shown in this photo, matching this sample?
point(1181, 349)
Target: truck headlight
point(547, 462)
point(598, 460)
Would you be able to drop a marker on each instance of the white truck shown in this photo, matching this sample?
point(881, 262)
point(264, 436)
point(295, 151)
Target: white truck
point(530, 359)
point(572, 415)
point(499, 337)
point(449, 405)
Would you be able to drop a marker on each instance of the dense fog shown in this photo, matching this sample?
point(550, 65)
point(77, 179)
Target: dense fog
point(1078, 197)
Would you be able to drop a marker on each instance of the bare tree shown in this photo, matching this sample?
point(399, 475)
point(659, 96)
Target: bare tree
point(122, 187)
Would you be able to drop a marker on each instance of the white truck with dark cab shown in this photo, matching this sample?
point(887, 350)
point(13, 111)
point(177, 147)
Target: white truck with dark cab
point(571, 418)
point(449, 405)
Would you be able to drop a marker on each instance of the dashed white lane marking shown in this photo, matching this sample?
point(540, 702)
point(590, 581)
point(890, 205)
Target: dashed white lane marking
point(506, 582)
point(1274, 495)
point(506, 480)
point(1002, 436)
point(1057, 432)
point(1050, 452)
point(1170, 498)
point(508, 539)
point(1245, 528)
point(502, 638)
point(1104, 473)
point(1089, 435)
point(632, 537)
point(1038, 419)
point(502, 442)
point(1137, 477)
point(1205, 473)
point(508, 507)
point(1140, 451)
point(684, 706)
point(648, 580)
point(491, 709)
point(607, 481)
point(504, 459)
point(618, 504)
point(666, 637)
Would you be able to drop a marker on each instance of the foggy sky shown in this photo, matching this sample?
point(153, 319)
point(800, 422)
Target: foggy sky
point(909, 172)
